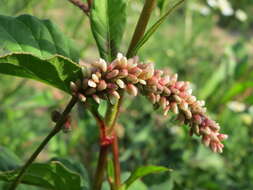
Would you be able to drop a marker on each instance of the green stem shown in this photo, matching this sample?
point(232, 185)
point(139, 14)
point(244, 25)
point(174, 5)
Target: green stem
point(55, 130)
point(141, 25)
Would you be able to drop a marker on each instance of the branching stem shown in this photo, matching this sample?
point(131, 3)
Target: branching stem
point(56, 129)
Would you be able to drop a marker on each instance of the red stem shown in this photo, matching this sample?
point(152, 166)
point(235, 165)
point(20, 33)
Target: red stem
point(116, 162)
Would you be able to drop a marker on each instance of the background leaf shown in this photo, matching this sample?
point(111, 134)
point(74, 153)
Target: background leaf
point(53, 175)
point(154, 27)
point(108, 19)
point(8, 160)
point(143, 171)
point(37, 51)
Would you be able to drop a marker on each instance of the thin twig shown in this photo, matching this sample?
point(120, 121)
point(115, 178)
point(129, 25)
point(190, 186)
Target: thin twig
point(56, 129)
point(83, 6)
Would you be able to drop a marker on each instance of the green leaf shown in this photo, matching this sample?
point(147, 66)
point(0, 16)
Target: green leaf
point(28, 34)
point(141, 172)
point(53, 176)
point(153, 28)
point(57, 71)
point(108, 20)
point(36, 49)
point(77, 167)
point(8, 160)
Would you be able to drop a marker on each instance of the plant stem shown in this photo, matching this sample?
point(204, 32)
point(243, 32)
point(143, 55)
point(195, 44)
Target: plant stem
point(141, 25)
point(81, 5)
point(113, 111)
point(116, 163)
point(55, 130)
point(101, 167)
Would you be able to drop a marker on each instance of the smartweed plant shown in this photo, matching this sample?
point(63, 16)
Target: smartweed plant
point(36, 49)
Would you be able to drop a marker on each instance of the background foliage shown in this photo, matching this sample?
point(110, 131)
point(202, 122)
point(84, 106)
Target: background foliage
point(203, 44)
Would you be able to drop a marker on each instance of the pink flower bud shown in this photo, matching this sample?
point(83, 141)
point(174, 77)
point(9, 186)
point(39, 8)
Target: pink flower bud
point(213, 146)
point(131, 89)
point(165, 111)
point(206, 140)
point(163, 102)
point(165, 80)
point(174, 108)
point(166, 91)
point(91, 83)
point(96, 98)
point(123, 73)
point(197, 119)
point(120, 83)
point(112, 86)
point(152, 98)
point(116, 94)
point(188, 114)
point(81, 97)
point(112, 74)
point(102, 65)
point(147, 72)
point(135, 71)
point(177, 98)
point(101, 85)
point(95, 78)
point(196, 129)
point(222, 137)
point(132, 78)
point(152, 81)
point(143, 82)
point(73, 87)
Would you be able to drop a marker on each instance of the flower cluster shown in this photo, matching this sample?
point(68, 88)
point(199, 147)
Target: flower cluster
point(103, 80)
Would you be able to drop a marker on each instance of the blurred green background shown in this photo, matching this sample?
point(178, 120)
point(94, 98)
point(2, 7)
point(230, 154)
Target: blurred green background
point(209, 43)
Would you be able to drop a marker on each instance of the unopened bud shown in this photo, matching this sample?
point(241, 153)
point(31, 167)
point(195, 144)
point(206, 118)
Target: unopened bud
point(101, 85)
point(135, 71)
point(132, 78)
point(174, 108)
point(103, 65)
point(152, 98)
point(96, 98)
point(222, 137)
point(148, 71)
point(81, 97)
point(165, 80)
point(206, 140)
point(177, 98)
point(163, 102)
point(95, 78)
point(55, 115)
point(120, 83)
point(143, 82)
point(123, 73)
point(112, 74)
point(73, 87)
point(132, 90)
point(91, 83)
